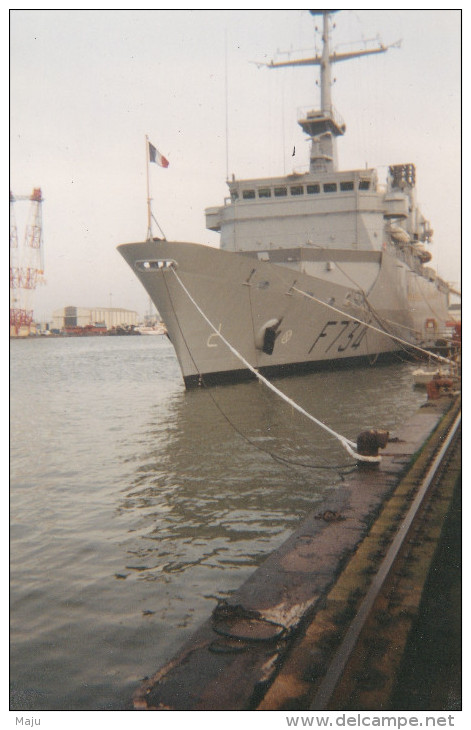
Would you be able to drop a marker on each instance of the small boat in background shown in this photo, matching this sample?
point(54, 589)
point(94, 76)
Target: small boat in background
point(157, 329)
point(422, 376)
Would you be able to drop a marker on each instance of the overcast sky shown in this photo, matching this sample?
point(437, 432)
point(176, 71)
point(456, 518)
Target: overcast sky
point(88, 85)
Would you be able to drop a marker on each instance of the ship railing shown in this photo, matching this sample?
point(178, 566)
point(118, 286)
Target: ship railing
point(306, 112)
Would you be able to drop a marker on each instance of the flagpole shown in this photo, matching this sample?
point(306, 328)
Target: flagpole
point(149, 215)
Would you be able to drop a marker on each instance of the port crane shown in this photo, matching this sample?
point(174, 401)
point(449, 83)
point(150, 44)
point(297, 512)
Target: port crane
point(26, 262)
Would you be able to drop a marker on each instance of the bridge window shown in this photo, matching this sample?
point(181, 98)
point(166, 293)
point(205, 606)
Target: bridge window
point(330, 187)
point(364, 185)
point(348, 185)
point(264, 193)
point(313, 189)
point(281, 192)
point(297, 190)
point(248, 194)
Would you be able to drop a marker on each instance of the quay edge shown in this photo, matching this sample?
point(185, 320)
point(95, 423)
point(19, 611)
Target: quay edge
point(266, 647)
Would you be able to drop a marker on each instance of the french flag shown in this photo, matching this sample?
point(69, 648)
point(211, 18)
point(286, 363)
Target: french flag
point(155, 156)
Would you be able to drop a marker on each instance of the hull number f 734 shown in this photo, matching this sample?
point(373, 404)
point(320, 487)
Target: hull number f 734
point(339, 336)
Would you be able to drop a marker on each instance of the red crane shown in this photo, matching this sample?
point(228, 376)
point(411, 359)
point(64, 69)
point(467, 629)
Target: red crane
point(26, 262)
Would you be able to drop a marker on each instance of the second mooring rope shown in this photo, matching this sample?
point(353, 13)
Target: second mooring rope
point(375, 329)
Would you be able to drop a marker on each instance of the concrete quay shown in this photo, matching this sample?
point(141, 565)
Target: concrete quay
point(268, 646)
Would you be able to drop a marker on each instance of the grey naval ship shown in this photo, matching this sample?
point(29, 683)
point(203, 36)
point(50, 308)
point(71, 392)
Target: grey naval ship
point(319, 269)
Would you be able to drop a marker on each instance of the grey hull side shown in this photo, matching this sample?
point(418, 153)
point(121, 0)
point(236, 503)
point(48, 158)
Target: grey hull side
point(244, 297)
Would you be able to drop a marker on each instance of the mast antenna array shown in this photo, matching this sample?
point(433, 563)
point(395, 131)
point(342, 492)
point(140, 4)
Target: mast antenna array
point(324, 125)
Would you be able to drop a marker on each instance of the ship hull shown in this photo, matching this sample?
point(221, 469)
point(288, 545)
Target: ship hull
point(277, 317)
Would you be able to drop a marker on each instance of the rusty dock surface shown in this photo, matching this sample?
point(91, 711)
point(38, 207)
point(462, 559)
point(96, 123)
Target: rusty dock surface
point(272, 645)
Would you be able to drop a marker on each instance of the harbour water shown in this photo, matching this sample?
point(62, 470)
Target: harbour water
point(136, 505)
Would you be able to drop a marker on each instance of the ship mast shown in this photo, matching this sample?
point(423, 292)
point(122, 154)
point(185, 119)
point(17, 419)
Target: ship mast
point(326, 98)
point(325, 125)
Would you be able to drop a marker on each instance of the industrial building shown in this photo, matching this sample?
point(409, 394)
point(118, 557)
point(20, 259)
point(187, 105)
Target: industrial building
point(110, 317)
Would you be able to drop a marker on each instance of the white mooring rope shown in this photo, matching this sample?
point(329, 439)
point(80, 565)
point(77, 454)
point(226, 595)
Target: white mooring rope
point(348, 445)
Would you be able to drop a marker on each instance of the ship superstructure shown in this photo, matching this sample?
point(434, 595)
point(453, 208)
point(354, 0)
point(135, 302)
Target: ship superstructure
point(313, 268)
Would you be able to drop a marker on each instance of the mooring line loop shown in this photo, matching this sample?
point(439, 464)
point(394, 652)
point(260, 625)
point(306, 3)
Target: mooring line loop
point(348, 445)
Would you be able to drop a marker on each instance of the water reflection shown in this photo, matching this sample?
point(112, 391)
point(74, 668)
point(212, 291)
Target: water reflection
point(135, 504)
point(207, 493)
